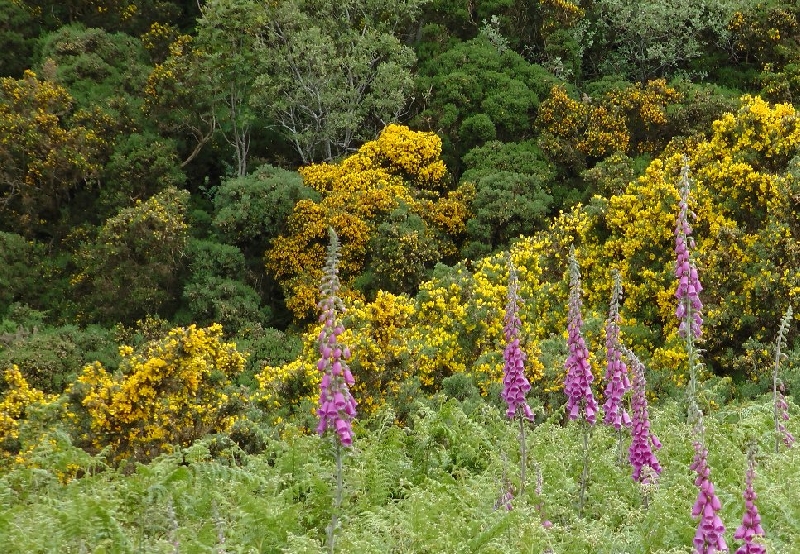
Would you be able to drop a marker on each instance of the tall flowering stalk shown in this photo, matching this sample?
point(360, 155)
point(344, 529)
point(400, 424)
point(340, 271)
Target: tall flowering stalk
point(781, 407)
point(515, 385)
point(617, 382)
point(578, 382)
point(751, 521)
point(643, 439)
point(337, 407)
point(690, 309)
point(710, 530)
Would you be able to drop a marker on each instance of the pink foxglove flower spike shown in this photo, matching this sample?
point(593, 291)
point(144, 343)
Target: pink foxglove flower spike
point(578, 382)
point(337, 407)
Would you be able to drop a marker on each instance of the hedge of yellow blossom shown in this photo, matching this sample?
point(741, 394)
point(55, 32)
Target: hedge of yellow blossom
point(400, 166)
point(47, 147)
point(746, 230)
point(745, 190)
point(169, 393)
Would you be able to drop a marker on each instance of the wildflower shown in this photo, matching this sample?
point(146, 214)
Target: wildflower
point(690, 308)
point(643, 439)
point(709, 536)
point(515, 385)
point(337, 407)
point(751, 521)
point(616, 370)
point(578, 383)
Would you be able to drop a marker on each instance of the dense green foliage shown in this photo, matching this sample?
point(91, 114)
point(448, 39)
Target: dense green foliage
point(168, 175)
point(432, 487)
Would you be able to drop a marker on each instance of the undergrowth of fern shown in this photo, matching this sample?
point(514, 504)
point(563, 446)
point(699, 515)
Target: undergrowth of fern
point(429, 486)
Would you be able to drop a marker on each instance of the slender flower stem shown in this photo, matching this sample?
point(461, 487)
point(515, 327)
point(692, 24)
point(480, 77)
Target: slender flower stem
point(523, 461)
point(781, 409)
point(617, 381)
point(578, 382)
point(646, 467)
point(586, 427)
point(337, 497)
point(690, 309)
point(337, 407)
point(751, 520)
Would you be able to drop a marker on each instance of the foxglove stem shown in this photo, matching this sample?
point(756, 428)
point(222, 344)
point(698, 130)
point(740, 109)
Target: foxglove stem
point(616, 370)
point(515, 385)
point(709, 537)
point(337, 407)
point(690, 309)
point(643, 440)
point(337, 498)
point(578, 383)
point(781, 408)
point(586, 427)
point(523, 457)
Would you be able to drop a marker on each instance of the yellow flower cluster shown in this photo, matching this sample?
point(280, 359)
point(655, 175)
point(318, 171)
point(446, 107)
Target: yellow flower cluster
point(48, 146)
point(18, 396)
point(764, 33)
point(172, 392)
point(622, 120)
point(559, 14)
point(400, 166)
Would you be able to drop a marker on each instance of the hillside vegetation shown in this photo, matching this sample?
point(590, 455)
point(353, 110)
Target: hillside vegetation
point(460, 240)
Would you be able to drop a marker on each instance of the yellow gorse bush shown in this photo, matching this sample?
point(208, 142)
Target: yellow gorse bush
point(17, 397)
point(170, 393)
point(621, 120)
point(400, 166)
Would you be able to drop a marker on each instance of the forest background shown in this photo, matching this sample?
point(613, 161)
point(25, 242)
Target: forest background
point(169, 172)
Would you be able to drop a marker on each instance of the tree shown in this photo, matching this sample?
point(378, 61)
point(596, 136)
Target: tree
point(475, 92)
point(513, 194)
point(107, 71)
point(17, 33)
point(656, 38)
point(129, 268)
point(225, 48)
point(333, 72)
point(216, 291)
point(251, 210)
point(49, 150)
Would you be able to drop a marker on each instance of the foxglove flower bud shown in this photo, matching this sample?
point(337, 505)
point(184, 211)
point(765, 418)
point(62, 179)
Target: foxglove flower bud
point(690, 308)
point(751, 520)
point(643, 439)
